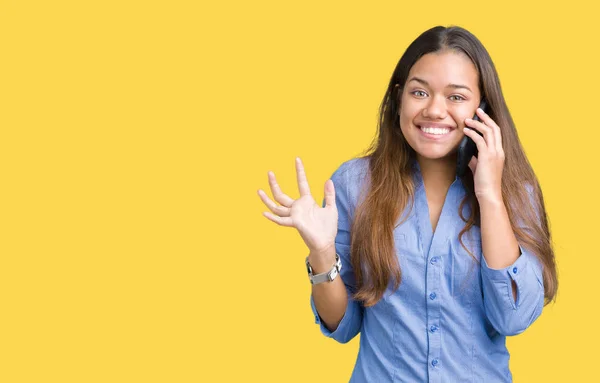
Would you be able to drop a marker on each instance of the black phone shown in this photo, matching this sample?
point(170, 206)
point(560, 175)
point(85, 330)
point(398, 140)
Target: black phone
point(467, 148)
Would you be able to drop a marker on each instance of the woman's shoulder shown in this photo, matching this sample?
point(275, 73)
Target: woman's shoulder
point(351, 177)
point(354, 169)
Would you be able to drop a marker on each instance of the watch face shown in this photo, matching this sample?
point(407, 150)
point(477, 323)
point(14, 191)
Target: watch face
point(308, 268)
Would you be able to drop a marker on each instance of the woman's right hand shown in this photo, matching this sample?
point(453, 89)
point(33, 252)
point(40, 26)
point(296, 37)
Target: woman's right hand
point(317, 225)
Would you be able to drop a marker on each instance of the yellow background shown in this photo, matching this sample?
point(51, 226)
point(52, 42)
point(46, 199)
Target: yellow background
point(135, 135)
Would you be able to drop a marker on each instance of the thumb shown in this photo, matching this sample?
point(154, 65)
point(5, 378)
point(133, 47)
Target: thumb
point(329, 193)
point(473, 164)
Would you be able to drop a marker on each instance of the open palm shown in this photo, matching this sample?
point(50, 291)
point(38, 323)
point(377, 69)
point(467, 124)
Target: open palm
point(316, 225)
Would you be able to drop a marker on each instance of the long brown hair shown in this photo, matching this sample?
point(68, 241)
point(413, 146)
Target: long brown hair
point(391, 188)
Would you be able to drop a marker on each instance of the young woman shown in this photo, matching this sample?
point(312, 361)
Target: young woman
point(435, 269)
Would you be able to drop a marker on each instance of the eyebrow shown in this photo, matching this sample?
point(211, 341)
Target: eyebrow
point(455, 86)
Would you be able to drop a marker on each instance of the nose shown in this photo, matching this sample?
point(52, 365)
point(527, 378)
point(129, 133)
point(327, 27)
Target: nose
point(435, 109)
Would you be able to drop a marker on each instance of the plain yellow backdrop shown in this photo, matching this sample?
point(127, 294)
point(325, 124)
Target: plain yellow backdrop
point(134, 138)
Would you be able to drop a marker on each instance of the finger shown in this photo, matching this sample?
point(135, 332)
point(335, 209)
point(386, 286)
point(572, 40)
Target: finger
point(329, 193)
point(279, 196)
point(281, 221)
point(487, 132)
point(302, 182)
point(479, 141)
point(281, 211)
point(495, 128)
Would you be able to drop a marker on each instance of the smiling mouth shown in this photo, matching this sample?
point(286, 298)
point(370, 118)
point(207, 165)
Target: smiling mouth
point(434, 131)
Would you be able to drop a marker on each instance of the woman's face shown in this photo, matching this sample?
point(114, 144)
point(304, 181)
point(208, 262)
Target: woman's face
point(440, 93)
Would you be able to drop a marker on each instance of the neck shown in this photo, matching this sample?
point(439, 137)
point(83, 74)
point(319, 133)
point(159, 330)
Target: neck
point(438, 172)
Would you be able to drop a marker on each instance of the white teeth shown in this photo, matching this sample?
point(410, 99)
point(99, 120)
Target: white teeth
point(439, 131)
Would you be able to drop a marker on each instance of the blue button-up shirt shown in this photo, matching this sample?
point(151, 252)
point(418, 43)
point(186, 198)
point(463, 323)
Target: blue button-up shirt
point(449, 319)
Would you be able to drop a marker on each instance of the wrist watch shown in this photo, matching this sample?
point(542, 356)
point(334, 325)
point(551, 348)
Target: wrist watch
point(326, 276)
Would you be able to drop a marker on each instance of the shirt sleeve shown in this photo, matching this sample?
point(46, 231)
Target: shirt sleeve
point(351, 322)
point(510, 317)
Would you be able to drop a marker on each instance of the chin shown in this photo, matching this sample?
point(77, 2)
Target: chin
point(439, 154)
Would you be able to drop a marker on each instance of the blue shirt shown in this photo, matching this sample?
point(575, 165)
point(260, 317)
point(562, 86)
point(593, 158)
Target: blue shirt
point(449, 319)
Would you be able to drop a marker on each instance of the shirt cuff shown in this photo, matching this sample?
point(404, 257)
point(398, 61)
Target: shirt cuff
point(350, 316)
point(510, 317)
point(519, 272)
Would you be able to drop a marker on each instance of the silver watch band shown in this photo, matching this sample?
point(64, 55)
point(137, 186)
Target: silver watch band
point(327, 276)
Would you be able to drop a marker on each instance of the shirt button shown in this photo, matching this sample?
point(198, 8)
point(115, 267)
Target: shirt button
point(515, 270)
point(433, 260)
point(433, 328)
point(434, 362)
point(432, 296)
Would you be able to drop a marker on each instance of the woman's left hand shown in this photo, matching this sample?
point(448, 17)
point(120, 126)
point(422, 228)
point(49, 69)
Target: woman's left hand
point(488, 165)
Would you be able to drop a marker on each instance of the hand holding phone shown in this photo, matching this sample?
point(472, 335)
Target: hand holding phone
point(467, 147)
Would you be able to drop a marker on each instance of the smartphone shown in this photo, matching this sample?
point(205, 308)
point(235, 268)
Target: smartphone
point(467, 148)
